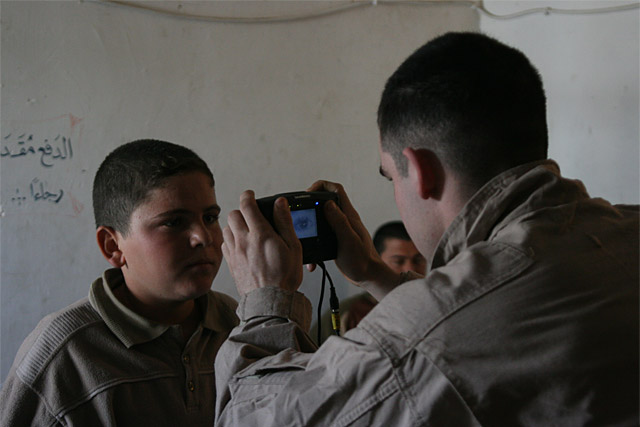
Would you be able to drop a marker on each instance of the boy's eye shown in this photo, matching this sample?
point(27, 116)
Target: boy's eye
point(173, 222)
point(210, 219)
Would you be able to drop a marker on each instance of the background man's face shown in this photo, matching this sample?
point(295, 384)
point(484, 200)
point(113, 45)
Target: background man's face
point(402, 255)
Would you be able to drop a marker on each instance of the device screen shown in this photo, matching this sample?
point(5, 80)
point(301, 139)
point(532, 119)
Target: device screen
point(304, 222)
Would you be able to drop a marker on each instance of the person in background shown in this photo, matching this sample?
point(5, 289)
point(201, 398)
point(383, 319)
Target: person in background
point(396, 249)
point(139, 350)
point(528, 315)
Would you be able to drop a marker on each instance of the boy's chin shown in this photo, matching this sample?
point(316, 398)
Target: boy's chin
point(200, 284)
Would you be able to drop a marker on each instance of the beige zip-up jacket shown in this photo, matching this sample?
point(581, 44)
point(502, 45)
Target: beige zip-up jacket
point(528, 317)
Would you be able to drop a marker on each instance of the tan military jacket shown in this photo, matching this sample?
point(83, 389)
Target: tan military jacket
point(528, 317)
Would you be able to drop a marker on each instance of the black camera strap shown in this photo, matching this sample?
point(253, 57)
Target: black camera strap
point(334, 304)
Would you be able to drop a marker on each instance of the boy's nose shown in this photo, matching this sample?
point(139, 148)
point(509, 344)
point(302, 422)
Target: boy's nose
point(201, 236)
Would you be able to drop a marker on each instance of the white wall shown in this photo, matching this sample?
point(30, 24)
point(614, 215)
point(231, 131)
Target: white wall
point(271, 107)
point(589, 65)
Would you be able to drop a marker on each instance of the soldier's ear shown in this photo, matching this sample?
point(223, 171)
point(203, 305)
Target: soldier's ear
point(423, 171)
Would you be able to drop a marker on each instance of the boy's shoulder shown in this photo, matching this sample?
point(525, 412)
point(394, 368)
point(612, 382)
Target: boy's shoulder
point(51, 335)
point(222, 308)
point(223, 299)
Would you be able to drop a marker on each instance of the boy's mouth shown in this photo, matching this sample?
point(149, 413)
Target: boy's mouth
point(202, 261)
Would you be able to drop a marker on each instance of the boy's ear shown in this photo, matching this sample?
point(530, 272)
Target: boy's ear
point(423, 170)
point(107, 239)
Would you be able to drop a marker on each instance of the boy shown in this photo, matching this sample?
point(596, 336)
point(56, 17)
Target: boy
point(140, 349)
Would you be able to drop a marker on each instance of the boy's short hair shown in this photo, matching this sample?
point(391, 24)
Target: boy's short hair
point(389, 230)
point(127, 175)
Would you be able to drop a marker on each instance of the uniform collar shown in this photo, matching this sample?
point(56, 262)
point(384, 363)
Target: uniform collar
point(512, 193)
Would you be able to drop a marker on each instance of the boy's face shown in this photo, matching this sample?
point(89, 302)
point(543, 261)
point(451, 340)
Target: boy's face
point(172, 251)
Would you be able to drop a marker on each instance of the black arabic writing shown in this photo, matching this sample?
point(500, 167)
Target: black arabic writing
point(39, 193)
point(59, 148)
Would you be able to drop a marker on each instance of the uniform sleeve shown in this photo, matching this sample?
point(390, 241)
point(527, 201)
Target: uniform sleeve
point(268, 375)
point(272, 320)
